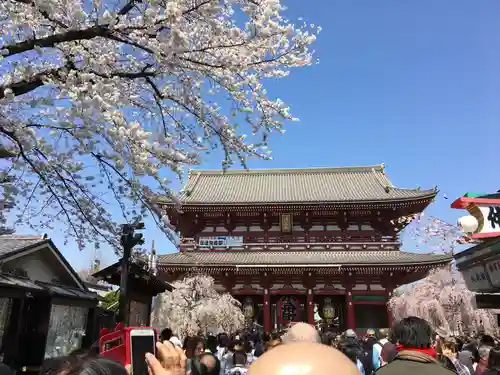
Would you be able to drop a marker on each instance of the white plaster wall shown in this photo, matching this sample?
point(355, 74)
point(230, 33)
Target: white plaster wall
point(34, 266)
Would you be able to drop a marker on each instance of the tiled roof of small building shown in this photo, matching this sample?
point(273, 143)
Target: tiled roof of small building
point(299, 258)
point(13, 243)
point(321, 185)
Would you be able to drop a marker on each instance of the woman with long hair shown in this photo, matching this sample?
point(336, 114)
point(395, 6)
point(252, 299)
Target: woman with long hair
point(194, 348)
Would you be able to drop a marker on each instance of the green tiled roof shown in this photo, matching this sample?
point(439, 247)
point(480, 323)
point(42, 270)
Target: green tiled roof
point(320, 185)
point(299, 258)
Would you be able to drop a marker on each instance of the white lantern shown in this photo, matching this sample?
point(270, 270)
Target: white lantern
point(468, 224)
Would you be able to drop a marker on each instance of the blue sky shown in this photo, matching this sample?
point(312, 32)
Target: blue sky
point(414, 85)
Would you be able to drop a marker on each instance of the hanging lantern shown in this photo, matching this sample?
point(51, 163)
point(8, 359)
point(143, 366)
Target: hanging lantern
point(248, 310)
point(328, 310)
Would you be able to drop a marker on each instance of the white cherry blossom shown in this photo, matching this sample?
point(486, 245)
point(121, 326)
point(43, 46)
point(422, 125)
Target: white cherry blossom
point(99, 99)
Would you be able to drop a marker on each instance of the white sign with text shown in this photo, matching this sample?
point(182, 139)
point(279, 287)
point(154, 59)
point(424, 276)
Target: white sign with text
point(476, 279)
point(493, 270)
point(220, 241)
point(488, 218)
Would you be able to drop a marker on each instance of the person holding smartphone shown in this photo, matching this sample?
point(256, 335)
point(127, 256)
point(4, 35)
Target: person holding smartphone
point(171, 360)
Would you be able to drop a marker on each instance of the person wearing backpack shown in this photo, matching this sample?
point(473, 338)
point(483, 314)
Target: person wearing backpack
point(377, 346)
point(350, 347)
point(368, 355)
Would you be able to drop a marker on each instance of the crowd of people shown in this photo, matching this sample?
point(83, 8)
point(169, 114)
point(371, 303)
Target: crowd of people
point(410, 348)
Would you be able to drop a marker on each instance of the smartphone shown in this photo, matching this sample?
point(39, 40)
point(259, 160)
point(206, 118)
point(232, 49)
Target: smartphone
point(142, 341)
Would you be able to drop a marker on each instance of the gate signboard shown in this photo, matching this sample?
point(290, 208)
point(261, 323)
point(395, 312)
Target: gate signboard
point(220, 241)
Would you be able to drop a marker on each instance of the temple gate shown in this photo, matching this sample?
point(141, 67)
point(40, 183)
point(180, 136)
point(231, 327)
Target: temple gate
point(293, 244)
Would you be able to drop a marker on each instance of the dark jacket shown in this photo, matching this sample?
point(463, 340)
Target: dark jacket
point(408, 362)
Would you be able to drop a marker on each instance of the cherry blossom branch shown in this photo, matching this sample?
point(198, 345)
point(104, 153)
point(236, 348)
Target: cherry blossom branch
point(52, 40)
point(129, 85)
point(28, 85)
point(47, 184)
point(74, 198)
point(146, 201)
point(38, 80)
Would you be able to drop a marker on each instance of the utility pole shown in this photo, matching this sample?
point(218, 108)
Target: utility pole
point(128, 240)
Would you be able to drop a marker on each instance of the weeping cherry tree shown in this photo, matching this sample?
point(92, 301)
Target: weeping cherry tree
point(443, 299)
point(195, 307)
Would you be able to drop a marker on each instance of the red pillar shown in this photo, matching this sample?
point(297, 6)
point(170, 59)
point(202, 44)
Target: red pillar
point(351, 319)
point(267, 311)
point(310, 307)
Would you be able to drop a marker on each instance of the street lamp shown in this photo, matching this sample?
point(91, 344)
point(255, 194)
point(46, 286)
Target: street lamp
point(128, 240)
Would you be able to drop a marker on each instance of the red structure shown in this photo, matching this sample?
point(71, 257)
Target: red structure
point(286, 241)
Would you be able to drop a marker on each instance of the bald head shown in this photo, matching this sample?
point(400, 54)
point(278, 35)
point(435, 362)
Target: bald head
point(211, 364)
point(303, 359)
point(208, 360)
point(301, 332)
